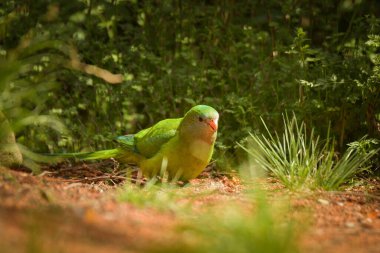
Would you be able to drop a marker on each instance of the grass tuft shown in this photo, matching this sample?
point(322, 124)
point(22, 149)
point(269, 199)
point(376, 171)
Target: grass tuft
point(299, 159)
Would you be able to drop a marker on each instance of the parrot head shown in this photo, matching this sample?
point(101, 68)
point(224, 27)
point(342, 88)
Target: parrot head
point(201, 121)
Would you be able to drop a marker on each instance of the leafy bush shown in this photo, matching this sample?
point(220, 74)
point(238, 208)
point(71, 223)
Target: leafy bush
point(24, 82)
point(247, 59)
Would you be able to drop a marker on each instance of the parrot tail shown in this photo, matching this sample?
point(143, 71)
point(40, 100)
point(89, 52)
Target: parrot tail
point(97, 155)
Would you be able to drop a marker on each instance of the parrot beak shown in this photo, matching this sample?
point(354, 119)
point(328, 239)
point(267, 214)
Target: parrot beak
point(213, 124)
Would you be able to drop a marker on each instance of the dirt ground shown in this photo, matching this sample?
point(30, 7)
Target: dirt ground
point(75, 209)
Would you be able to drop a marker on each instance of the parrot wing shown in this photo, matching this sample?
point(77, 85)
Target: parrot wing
point(127, 142)
point(148, 142)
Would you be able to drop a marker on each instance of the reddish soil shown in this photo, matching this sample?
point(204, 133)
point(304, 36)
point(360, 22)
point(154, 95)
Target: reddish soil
point(74, 209)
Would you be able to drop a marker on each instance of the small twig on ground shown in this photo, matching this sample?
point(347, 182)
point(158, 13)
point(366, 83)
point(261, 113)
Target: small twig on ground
point(116, 165)
point(95, 179)
point(98, 178)
point(113, 182)
point(47, 173)
point(72, 185)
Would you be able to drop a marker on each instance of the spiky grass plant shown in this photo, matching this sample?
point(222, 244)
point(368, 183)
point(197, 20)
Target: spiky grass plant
point(301, 160)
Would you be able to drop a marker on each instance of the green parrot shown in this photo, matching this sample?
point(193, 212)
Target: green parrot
point(182, 146)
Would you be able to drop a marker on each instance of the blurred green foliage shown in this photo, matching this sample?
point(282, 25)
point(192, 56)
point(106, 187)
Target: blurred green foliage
point(245, 58)
point(26, 75)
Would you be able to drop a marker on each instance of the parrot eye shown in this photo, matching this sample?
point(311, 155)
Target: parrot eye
point(200, 119)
